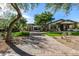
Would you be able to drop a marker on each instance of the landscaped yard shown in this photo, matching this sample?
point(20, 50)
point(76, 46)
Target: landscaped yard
point(74, 43)
point(53, 34)
point(17, 34)
point(75, 33)
point(61, 34)
point(44, 35)
point(74, 39)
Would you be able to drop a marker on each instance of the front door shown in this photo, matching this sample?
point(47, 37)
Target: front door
point(66, 27)
point(61, 27)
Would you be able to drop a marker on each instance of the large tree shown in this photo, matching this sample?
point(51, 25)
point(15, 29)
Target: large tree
point(21, 25)
point(66, 7)
point(43, 19)
point(17, 8)
point(9, 29)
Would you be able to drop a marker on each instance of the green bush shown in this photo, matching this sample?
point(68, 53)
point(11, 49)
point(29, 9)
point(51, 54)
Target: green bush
point(55, 32)
point(16, 34)
point(75, 33)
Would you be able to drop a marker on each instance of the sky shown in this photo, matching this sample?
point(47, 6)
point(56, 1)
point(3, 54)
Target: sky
point(29, 15)
point(73, 15)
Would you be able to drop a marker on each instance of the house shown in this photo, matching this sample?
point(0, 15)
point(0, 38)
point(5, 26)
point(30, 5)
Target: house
point(58, 25)
point(63, 25)
point(33, 27)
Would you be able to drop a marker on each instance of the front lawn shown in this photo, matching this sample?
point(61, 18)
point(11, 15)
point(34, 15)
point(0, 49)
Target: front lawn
point(17, 34)
point(60, 34)
point(75, 33)
point(53, 33)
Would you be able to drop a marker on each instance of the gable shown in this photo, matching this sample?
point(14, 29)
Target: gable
point(61, 21)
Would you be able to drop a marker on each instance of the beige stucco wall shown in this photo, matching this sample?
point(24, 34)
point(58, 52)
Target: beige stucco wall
point(71, 26)
point(78, 25)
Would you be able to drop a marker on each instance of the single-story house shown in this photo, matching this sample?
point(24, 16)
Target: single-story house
point(63, 25)
point(58, 25)
point(33, 27)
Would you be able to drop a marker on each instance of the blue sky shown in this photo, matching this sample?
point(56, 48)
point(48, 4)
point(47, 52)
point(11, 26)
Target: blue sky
point(73, 15)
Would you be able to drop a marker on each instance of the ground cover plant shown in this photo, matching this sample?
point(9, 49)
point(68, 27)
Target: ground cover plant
point(75, 33)
point(17, 34)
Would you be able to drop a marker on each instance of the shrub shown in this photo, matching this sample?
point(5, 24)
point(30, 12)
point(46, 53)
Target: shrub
point(75, 33)
point(55, 32)
point(16, 34)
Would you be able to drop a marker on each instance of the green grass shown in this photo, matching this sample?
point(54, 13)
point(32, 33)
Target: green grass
point(17, 34)
point(75, 33)
point(53, 34)
point(60, 34)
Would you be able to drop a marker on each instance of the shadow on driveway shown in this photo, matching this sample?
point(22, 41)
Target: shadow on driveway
point(17, 50)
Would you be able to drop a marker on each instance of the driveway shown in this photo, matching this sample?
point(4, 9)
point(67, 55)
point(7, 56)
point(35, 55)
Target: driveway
point(47, 46)
point(43, 45)
point(60, 48)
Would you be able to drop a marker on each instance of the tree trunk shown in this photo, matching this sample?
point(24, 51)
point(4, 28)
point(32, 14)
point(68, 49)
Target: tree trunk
point(9, 30)
point(45, 27)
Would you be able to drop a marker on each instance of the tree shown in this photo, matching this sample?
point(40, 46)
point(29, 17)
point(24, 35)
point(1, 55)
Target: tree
point(43, 19)
point(19, 15)
point(66, 7)
point(21, 25)
point(3, 23)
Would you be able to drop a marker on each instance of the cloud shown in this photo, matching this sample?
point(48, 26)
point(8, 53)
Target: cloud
point(29, 19)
